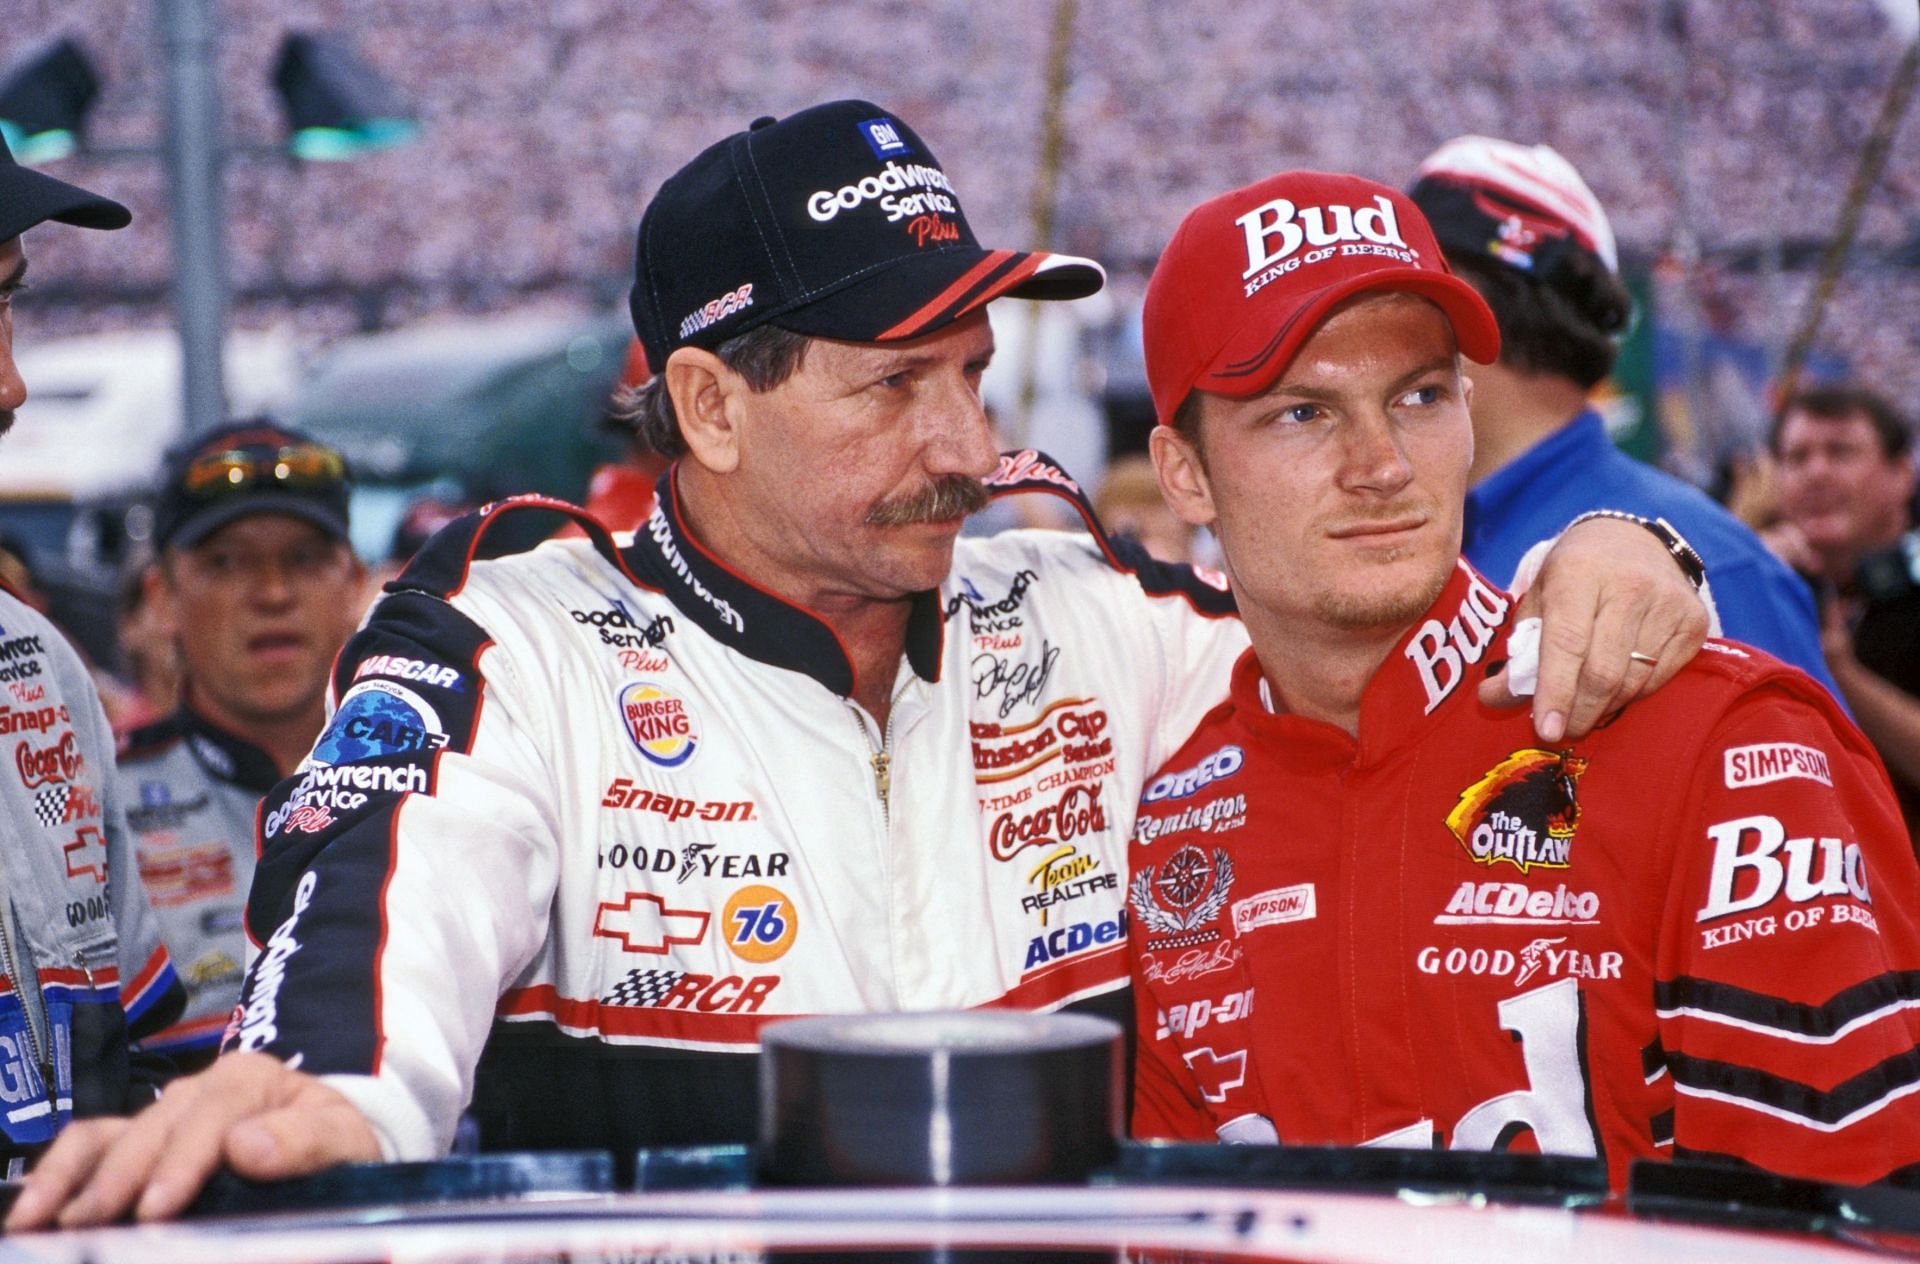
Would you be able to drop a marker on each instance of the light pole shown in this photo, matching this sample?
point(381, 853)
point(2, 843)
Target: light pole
point(195, 155)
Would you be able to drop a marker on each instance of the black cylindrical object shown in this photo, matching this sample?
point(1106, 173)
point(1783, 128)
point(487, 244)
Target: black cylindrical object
point(962, 1098)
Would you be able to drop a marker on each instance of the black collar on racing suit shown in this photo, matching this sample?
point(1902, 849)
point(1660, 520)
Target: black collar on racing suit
point(224, 755)
point(749, 619)
point(665, 557)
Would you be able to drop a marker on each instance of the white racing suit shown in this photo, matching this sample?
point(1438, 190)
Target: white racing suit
point(585, 818)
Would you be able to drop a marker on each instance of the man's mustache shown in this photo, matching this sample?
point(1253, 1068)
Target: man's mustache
point(947, 497)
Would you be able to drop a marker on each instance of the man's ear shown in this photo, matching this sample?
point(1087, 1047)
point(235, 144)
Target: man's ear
point(701, 387)
point(1183, 476)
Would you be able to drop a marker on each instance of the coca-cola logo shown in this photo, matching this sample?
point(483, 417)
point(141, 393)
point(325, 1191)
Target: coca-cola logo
point(1078, 812)
point(60, 762)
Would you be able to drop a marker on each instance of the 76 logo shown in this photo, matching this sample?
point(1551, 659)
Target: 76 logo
point(759, 923)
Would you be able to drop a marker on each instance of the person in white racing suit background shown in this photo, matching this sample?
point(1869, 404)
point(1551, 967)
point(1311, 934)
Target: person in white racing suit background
point(81, 964)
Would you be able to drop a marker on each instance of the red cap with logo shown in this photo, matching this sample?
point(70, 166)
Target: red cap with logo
point(1251, 274)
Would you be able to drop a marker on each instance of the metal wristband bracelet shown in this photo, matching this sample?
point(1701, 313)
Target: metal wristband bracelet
point(1670, 539)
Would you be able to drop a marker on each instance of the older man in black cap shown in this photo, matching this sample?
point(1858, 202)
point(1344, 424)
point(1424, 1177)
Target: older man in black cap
point(587, 817)
point(81, 957)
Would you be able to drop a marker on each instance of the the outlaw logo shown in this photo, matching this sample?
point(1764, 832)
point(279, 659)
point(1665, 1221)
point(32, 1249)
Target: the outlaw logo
point(1523, 812)
point(1178, 899)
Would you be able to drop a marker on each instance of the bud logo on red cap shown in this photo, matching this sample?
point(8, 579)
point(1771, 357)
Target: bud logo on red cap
point(1294, 227)
point(1295, 246)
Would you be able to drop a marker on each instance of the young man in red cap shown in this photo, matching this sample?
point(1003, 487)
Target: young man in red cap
point(1368, 909)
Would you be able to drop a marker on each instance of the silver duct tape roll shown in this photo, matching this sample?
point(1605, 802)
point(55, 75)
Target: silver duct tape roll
point(962, 1098)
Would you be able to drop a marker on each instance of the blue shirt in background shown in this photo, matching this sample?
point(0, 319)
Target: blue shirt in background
point(1577, 468)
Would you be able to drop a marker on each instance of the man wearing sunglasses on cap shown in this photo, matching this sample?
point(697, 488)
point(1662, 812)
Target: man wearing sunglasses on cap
point(259, 588)
point(792, 747)
point(80, 954)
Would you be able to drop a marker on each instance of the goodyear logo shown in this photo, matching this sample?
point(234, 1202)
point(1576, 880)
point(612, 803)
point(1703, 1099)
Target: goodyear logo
point(662, 727)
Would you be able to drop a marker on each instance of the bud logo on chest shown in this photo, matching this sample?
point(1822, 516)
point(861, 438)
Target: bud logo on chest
point(1442, 652)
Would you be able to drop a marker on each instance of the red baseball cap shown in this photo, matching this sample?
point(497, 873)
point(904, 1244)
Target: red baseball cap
point(1249, 276)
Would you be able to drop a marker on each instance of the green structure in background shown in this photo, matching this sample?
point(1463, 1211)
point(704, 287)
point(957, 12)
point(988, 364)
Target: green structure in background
point(1633, 411)
point(475, 410)
point(338, 107)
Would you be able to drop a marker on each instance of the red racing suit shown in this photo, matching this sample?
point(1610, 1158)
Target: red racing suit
point(1691, 933)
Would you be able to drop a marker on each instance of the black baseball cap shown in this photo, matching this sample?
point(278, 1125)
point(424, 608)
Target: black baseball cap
point(29, 197)
point(249, 467)
point(836, 222)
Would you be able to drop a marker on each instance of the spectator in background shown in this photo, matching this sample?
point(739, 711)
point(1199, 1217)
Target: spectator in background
point(1844, 458)
point(257, 588)
point(1129, 506)
point(83, 964)
point(1520, 225)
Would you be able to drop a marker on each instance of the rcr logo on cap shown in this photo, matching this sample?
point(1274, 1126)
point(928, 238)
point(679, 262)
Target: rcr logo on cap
point(1307, 226)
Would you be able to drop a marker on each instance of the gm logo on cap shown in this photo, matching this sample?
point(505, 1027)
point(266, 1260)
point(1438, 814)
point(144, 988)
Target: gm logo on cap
point(883, 137)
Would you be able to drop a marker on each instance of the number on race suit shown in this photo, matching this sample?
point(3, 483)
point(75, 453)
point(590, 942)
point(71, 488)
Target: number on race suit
point(1553, 1106)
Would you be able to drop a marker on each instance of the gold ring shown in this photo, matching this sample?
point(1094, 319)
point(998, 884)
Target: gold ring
point(1648, 659)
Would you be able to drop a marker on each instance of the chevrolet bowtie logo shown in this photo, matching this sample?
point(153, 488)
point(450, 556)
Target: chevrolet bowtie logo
point(87, 854)
point(644, 923)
